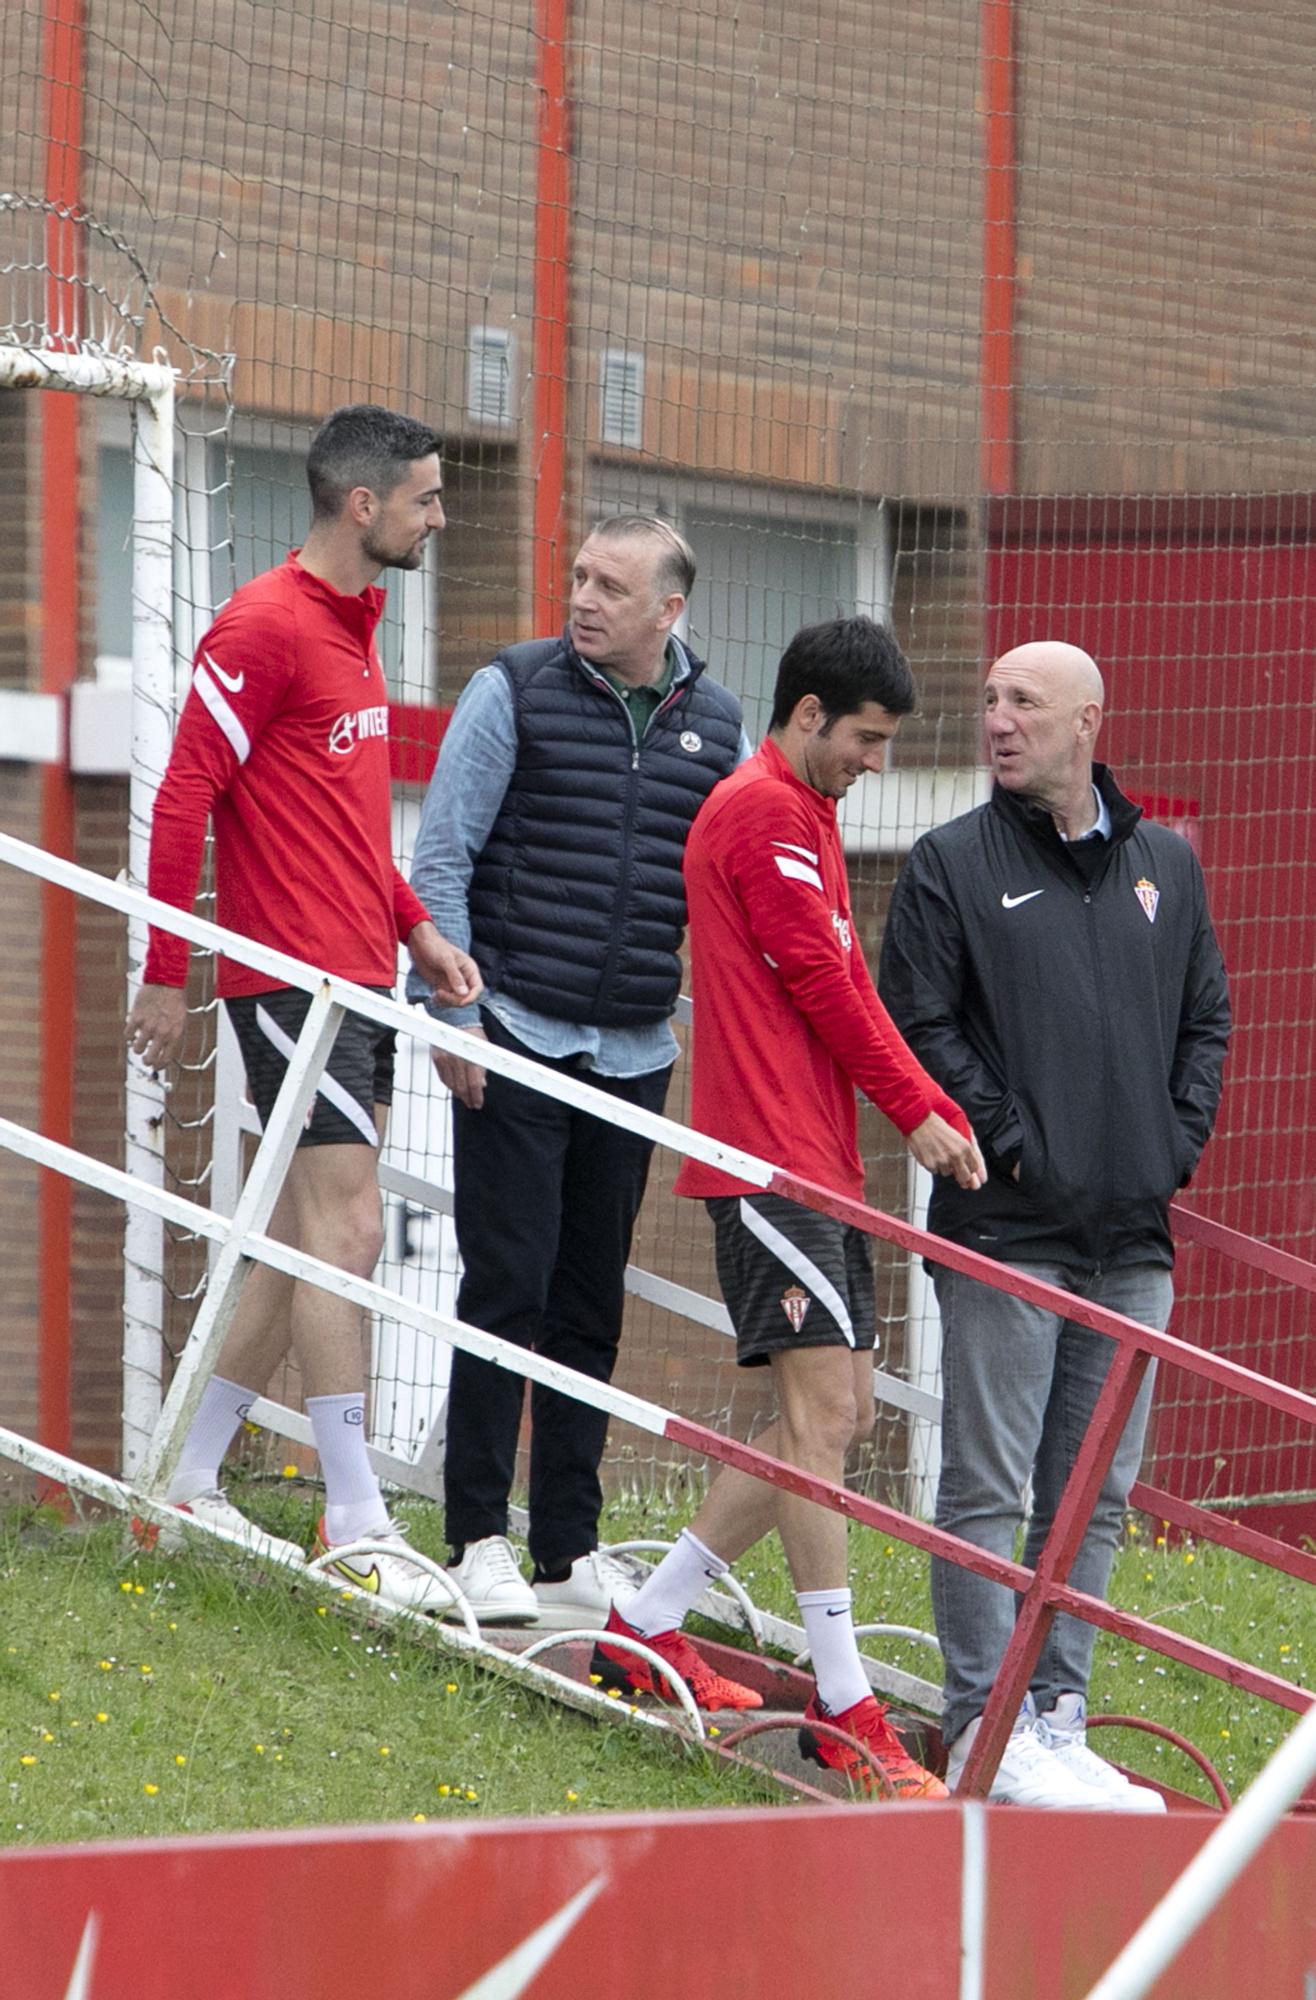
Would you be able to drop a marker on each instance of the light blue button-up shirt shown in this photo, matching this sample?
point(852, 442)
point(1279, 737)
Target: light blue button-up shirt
point(476, 761)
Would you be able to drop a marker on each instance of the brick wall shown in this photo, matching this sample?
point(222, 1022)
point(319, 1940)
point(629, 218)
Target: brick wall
point(782, 217)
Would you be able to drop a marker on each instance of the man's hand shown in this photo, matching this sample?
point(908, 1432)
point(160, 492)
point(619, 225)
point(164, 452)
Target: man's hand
point(464, 1079)
point(156, 1023)
point(939, 1147)
point(452, 976)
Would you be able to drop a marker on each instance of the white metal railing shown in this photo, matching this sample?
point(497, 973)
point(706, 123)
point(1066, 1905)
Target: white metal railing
point(241, 1238)
point(1214, 1868)
point(243, 1235)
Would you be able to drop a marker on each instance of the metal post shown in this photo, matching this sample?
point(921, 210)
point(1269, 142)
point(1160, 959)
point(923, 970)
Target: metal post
point(251, 1216)
point(1214, 1869)
point(1105, 1428)
point(152, 732)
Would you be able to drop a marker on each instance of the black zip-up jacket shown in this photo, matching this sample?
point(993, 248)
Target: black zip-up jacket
point(1078, 1014)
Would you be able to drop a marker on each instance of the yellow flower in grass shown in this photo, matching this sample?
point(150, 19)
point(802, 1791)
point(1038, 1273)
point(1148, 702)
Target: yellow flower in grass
point(101, 1716)
point(180, 1758)
point(472, 1796)
point(150, 1790)
point(53, 1695)
point(127, 1585)
point(444, 1791)
point(27, 1761)
point(384, 1750)
point(46, 1736)
point(259, 1749)
point(291, 1471)
point(573, 1798)
point(106, 1666)
point(420, 1818)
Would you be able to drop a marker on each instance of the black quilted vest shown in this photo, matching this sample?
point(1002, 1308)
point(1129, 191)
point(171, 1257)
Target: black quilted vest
point(577, 902)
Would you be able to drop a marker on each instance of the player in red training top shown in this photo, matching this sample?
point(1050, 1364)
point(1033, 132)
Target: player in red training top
point(283, 741)
point(787, 1026)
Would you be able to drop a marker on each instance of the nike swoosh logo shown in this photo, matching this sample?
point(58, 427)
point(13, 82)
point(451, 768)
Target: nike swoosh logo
point(512, 1975)
point(79, 1986)
point(1013, 902)
point(364, 1579)
point(233, 682)
point(836, 1614)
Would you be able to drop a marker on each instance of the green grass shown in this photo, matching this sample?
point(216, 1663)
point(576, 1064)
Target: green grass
point(1255, 1614)
point(152, 1695)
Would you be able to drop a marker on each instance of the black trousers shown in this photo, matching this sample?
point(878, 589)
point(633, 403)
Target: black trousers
point(545, 1205)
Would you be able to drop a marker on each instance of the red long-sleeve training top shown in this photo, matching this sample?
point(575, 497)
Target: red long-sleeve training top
point(787, 1023)
point(283, 739)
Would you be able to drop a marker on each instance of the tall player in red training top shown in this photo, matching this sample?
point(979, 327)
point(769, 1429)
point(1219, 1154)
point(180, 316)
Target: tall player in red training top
point(787, 1026)
point(283, 741)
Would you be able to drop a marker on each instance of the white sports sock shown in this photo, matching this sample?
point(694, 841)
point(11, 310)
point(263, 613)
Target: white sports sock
point(681, 1578)
point(833, 1648)
point(354, 1505)
point(222, 1407)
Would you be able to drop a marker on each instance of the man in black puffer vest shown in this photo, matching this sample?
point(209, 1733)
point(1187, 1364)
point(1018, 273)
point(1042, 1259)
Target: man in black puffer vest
point(550, 847)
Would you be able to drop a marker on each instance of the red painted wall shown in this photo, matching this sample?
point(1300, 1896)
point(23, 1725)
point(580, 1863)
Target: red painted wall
point(846, 1902)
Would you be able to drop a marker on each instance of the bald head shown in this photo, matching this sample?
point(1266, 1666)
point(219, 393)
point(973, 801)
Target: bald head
point(1043, 704)
point(1067, 669)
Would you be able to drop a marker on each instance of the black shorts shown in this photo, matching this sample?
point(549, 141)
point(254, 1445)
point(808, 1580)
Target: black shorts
point(791, 1277)
point(357, 1076)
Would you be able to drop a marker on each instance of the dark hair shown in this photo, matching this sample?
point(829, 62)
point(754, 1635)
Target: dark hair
point(844, 662)
point(676, 568)
point(363, 444)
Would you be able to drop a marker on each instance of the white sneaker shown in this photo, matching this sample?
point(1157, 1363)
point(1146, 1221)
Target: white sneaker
point(597, 1582)
point(392, 1571)
point(1029, 1773)
point(217, 1511)
point(1064, 1731)
point(495, 1589)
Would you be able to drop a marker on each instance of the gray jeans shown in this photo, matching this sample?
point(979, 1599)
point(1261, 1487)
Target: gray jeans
point(1020, 1384)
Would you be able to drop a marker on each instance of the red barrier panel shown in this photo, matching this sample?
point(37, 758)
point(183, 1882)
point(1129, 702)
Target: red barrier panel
point(845, 1902)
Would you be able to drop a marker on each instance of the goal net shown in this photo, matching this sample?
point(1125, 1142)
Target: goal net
point(990, 321)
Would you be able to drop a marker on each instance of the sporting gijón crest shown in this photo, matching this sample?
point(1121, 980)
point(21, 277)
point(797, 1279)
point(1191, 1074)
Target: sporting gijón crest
point(1148, 895)
point(795, 1303)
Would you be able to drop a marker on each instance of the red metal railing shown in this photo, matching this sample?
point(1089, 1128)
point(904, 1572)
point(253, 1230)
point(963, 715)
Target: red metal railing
point(1046, 1590)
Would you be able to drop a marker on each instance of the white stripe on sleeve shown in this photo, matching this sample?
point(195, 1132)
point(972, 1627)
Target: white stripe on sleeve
point(223, 714)
point(799, 871)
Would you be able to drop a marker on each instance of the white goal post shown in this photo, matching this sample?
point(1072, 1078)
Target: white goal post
point(149, 386)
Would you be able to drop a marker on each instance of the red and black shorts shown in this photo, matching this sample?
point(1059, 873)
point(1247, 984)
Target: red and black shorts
point(357, 1076)
point(791, 1277)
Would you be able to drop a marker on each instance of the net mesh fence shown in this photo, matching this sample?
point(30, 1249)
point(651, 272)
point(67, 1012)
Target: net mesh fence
point(780, 299)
